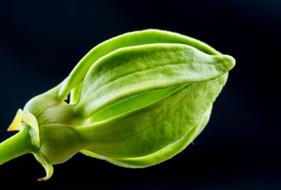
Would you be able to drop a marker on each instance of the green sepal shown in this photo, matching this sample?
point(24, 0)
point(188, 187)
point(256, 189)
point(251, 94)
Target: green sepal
point(136, 38)
point(159, 156)
point(49, 169)
point(129, 71)
point(141, 134)
point(32, 122)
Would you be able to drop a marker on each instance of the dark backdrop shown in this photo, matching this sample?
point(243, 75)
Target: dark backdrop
point(41, 41)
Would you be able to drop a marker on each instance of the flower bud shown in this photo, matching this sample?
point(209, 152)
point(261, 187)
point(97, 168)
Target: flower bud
point(135, 100)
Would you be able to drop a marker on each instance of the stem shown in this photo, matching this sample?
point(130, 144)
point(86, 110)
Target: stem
point(16, 146)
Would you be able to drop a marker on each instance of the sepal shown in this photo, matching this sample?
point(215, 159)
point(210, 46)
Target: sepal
point(49, 169)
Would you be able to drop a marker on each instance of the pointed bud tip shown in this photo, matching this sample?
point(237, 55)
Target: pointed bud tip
point(230, 60)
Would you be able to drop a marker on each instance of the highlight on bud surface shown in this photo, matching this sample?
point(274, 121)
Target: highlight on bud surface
point(135, 100)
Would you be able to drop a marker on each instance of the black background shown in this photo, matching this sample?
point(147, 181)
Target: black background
point(41, 41)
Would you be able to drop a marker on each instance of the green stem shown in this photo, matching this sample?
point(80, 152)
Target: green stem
point(16, 146)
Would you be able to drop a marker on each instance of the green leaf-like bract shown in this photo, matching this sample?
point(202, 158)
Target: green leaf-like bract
point(135, 100)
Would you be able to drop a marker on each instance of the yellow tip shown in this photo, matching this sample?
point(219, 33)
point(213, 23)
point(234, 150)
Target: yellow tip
point(17, 122)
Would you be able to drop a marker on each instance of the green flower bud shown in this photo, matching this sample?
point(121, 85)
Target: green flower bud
point(135, 100)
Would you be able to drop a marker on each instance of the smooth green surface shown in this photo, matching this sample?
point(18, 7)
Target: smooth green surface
point(136, 100)
point(132, 70)
point(143, 133)
point(129, 39)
